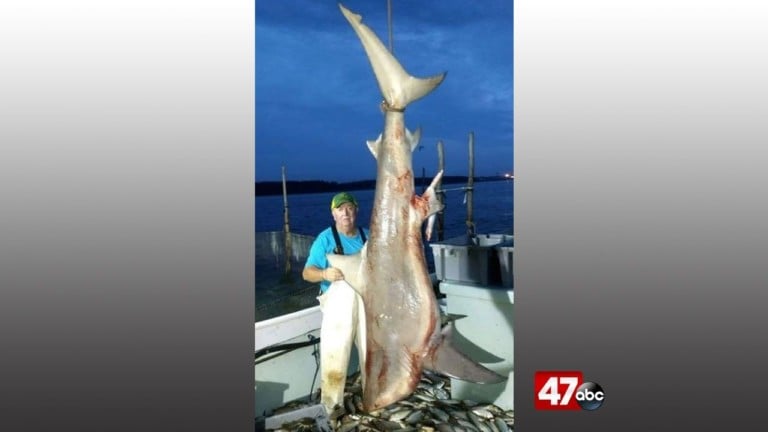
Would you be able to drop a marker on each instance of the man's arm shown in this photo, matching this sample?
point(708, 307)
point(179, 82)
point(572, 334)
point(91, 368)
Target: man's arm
point(315, 274)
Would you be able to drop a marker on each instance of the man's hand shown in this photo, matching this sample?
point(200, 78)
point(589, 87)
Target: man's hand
point(332, 274)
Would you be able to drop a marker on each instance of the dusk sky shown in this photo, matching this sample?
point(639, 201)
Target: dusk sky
point(317, 101)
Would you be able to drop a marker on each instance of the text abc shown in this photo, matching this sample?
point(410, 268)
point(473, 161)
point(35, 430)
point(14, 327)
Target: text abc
point(588, 395)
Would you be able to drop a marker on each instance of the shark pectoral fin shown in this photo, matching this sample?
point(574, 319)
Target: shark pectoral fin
point(350, 266)
point(449, 318)
point(449, 361)
point(413, 138)
point(373, 146)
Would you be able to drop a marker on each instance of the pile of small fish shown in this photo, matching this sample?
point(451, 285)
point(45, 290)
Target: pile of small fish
point(430, 408)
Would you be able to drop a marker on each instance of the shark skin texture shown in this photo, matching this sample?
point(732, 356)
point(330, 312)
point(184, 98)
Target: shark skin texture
point(401, 328)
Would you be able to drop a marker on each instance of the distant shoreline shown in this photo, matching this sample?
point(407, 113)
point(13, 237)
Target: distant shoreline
point(266, 188)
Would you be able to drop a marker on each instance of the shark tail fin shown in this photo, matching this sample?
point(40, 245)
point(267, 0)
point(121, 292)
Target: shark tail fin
point(396, 85)
point(416, 88)
point(449, 361)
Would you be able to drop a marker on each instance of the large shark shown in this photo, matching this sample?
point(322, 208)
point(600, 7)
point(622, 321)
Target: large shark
point(402, 331)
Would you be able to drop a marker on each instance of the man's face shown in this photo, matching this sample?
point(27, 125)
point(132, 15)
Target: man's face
point(345, 215)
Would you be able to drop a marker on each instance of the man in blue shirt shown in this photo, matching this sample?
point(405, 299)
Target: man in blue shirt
point(344, 233)
point(342, 306)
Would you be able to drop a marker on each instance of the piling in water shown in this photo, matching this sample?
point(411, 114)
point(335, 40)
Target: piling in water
point(440, 193)
point(470, 184)
point(287, 230)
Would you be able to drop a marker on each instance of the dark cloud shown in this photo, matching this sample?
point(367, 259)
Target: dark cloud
point(317, 98)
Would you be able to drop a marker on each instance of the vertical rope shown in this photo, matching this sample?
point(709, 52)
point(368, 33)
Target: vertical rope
point(389, 23)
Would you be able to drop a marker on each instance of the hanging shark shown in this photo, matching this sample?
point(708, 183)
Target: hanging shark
point(402, 331)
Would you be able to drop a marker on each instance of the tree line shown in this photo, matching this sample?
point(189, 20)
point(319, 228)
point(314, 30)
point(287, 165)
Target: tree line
point(317, 186)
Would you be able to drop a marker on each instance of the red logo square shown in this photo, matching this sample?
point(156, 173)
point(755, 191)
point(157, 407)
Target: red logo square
point(556, 390)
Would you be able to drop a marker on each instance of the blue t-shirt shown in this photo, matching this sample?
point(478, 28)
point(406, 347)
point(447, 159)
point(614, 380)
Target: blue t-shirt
point(325, 244)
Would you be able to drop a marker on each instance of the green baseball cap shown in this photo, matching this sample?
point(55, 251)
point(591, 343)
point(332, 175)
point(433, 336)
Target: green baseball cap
point(341, 198)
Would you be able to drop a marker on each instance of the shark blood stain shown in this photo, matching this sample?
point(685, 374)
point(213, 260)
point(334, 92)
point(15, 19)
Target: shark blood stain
point(404, 181)
point(421, 204)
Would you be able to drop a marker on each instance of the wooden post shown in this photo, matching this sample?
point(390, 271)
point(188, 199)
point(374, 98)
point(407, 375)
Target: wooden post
point(287, 229)
point(470, 184)
point(440, 193)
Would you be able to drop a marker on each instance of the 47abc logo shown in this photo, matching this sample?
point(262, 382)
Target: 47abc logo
point(566, 390)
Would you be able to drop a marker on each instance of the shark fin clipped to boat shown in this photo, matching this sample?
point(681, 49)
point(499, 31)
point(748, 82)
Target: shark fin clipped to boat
point(449, 361)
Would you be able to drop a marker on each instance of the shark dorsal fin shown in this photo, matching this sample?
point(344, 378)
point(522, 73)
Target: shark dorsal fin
point(413, 138)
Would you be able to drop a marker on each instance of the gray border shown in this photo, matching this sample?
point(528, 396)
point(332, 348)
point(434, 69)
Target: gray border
point(126, 223)
point(126, 255)
point(641, 215)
